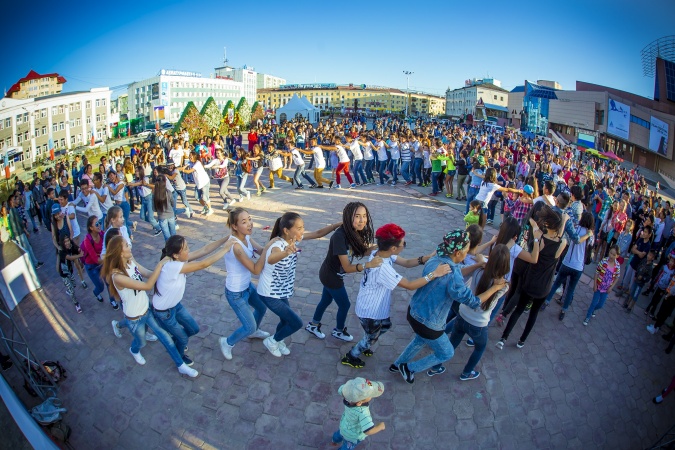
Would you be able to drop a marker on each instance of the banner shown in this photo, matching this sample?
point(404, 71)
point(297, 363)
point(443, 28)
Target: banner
point(658, 136)
point(618, 119)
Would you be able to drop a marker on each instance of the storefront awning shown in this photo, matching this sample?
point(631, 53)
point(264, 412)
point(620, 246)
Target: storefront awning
point(496, 107)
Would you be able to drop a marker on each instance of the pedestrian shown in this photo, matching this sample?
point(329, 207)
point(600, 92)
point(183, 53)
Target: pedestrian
point(276, 166)
point(373, 303)
point(356, 423)
point(162, 203)
point(92, 245)
point(69, 252)
point(202, 183)
point(351, 240)
point(643, 273)
point(125, 277)
point(606, 275)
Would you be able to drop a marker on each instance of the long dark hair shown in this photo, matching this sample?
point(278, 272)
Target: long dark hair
point(159, 195)
point(498, 266)
point(587, 221)
point(359, 241)
point(509, 229)
point(172, 246)
point(286, 221)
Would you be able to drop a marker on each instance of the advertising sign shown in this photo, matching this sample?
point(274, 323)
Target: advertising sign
point(155, 91)
point(658, 136)
point(618, 119)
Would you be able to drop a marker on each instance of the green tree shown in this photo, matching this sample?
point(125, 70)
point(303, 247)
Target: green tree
point(257, 112)
point(192, 121)
point(244, 112)
point(211, 114)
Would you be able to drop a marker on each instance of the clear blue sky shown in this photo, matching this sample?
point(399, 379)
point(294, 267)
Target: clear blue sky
point(97, 44)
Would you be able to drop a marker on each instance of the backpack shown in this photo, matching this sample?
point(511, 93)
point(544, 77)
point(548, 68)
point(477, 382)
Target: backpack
point(247, 166)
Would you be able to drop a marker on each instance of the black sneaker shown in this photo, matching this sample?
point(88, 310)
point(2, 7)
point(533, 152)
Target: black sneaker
point(436, 371)
point(356, 363)
point(99, 298)
point(330, 185)
point(406, 373)
point(520, 344)
point(114, 304)
point(562, 315)
point(156, 233)
point(368, 353)
point(393, 368)
point(342, 334)
point(187, 360)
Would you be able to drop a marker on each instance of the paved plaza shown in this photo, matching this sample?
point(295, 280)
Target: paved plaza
point(571, 386)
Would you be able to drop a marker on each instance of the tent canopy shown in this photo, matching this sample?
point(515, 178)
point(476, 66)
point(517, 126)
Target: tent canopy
point(297, 106)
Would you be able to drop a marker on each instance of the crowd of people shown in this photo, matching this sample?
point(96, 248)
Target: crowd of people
point(560, 212)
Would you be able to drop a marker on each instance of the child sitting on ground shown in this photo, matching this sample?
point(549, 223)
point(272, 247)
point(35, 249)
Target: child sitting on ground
point(356, 423)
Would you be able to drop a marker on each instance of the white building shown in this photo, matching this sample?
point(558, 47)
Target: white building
point(266, 81)
point(172, 90)
point(462, 101)
point(69, 118)
point(245, 75)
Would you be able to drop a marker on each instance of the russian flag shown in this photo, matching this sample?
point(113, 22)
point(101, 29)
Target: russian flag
point(51, 147)
point(93, 134)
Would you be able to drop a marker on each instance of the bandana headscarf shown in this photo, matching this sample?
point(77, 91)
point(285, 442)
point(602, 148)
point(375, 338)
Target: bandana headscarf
point(452, 242)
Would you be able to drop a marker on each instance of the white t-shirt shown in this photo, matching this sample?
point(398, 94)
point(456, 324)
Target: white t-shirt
point(238, 276)
point(278, 280)
point(298, 160)
point(374, 298)
point(276, 163)
point(486, 192)
point(319, 161)
point(547, 198)
point(170, 286)
point(68, 210)
point(342, 155)
point(381, 151)
point(513, 253)
point(479, 317)
point(119, 197)
point(108, 203)
point(202, 178)
point(177, 156)
point(355, 148)
point(92, 207)
point(395, 150)
point(134, 303)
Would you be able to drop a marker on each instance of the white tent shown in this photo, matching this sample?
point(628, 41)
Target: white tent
point(298, 107)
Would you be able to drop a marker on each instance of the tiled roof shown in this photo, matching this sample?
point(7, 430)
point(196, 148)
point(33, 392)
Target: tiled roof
point(33, 75)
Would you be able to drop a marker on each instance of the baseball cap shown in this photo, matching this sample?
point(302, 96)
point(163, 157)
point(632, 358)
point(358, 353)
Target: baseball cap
point(481, 160)
point(359, 389)
point(56, 208)
point(528, 189)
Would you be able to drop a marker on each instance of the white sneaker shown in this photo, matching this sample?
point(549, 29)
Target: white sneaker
point(177, 227)
point(248, 195)
point(116, 329)
point(150, 337)
point(187, 370)
point(283, 349)
point(652, 329)
point(209, 212)
point(138, 357)
point(259, 334)
point(342, 335)
point(315, 330)
point(272, 346)
point(559, 291)
point(226, 348)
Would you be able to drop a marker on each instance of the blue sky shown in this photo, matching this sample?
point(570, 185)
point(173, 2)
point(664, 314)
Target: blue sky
point(113, 43)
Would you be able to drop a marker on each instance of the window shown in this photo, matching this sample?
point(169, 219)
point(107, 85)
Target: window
point(103, 102)
point(19, 138)
point(495, 97)
point(36, 132)
point(600, 117)
point(78, 122)
point(44, 130)
point(63, 142)
point(88, 104)
point(55, 127)
point(71, 107)
point(641, 122)
point(98, 103)
point(88, 120)
point(19, 119)
point(62, 126)
point(54, 110)
point(25, 117)
point(79, 138)
point(60, 109)
point(72, 140)
point(98, 118)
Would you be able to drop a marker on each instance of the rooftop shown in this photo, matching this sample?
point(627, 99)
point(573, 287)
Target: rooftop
point(33, 75)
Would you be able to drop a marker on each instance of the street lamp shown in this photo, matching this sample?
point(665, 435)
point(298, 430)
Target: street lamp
point(407, 88)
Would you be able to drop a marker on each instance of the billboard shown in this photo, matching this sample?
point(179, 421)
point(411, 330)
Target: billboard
point(618, 119)
point(155, 91)
point(658, 136)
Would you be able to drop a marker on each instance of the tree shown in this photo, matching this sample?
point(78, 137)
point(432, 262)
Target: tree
point(192, 121)
point(244, 112)
point(211, 114)
point(257, 112)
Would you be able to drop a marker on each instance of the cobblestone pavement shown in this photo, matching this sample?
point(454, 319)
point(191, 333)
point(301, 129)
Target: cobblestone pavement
point(570, 387)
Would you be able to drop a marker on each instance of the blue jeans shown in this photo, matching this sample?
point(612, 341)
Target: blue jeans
point(289, 322)
point(126, 210)
point(300, 171)
point(43, 211)
point(496, 309)
point(442, 351)
point(168, 227)
point(94, 272)
point(597, 303)
point(180, 325)
point(381, 168)
point(370, 163)
point(373, 329)
point(492, 204)
point(393, 168)
point(635, 290)
point(417, 170)
point(341, 298)
point(563, 273)
point(471, 196)
point(241, 303)
point(241, 183)
point(346, 445)
point(183, 198)
point(479, 335)
point(405, 170)
point(147, 212)
point(137, 329)
point(435, 187)
point(358, 170)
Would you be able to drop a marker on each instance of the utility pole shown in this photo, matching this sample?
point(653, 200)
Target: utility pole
point(407, 88)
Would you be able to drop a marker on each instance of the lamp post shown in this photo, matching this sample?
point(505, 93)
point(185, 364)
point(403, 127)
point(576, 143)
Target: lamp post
point(407, 89)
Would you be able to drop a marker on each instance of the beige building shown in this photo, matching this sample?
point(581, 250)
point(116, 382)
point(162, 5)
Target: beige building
point(269, 81)
point(328, 96)
point(35, 85)
point(462, 102)
point(69, 119)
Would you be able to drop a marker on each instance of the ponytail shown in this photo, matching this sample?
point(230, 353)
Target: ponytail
point(284, 222)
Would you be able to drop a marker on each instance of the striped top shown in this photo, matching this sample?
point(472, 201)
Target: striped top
point(605, 276)
point(374, 299)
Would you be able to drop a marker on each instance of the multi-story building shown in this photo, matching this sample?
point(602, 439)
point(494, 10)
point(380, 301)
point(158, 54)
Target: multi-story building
point(245, 75)
point(491, 99)
point(35, 85)
point(70, 119)
point(265, 81)
point(378, 99)
point(172, 90)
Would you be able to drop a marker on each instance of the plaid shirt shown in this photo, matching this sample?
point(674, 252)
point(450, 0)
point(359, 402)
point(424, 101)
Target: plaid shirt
point(520, 210)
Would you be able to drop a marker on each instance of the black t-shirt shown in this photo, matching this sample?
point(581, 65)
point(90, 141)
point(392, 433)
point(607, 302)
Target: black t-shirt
point(642, 246)
point(539, 277)
point(331, 272)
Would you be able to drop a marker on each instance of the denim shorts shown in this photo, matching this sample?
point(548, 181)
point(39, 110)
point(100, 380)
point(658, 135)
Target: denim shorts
point(203, 193)
point(452, 173)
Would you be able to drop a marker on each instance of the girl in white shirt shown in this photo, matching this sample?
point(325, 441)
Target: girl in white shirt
point(170, 287)
point(277, 279)
point(202, 183)
point(125, 277)
point(222, 175)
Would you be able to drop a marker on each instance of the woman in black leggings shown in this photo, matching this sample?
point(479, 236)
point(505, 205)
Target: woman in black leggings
point(537, 278)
